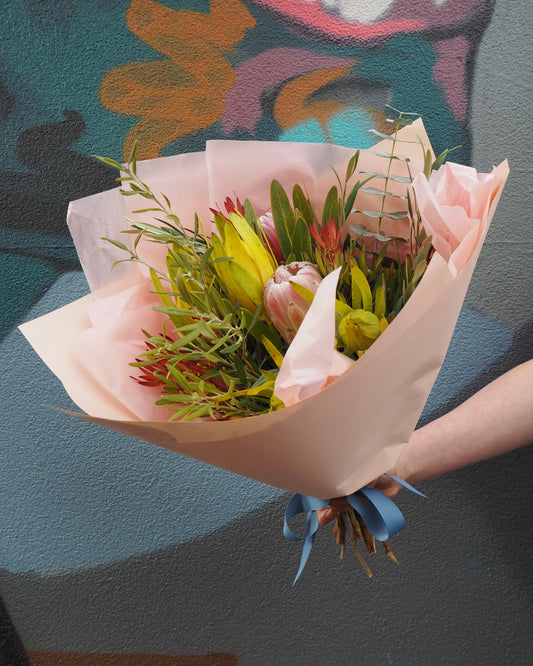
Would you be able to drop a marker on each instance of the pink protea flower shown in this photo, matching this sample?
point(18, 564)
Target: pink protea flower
point(271, 240)
point(285, 307)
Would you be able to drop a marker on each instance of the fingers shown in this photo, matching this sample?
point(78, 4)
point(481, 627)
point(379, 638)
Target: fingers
point(325, 516)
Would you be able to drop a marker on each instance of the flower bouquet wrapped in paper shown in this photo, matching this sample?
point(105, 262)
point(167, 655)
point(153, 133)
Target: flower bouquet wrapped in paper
point(279, 310)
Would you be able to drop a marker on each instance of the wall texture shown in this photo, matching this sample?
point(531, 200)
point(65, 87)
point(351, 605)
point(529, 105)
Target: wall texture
point(134, 555)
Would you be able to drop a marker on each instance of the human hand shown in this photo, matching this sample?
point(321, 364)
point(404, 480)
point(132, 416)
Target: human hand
point(385, 483)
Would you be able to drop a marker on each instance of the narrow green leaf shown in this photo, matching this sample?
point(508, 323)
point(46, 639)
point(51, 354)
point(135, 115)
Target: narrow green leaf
point(439, 161)
point(204, 261)
point(196, 413)
point(259, 329)
point(283, 215)
point(379, 302)
point(352, 165)
point(360, 288)
point(112, 163)
point(146, 210)
point(428, 161)
point(250, 215)
point(116, 243)
point(161, 292)
point(361, 261)
point(132, 159)
point(353, 193)
point(419, 271)
point(301, 203)
point(301, 241)
point(331, 206)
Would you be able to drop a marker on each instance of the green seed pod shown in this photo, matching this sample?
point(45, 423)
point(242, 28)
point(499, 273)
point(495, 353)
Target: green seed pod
point(358, 330)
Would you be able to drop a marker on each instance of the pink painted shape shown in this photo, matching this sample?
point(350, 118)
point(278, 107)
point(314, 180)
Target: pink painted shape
point(403, 16)
point(242, 102)
point(312, 14)
point(450, 71)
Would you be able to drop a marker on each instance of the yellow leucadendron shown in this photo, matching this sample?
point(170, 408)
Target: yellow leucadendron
point(244, 264)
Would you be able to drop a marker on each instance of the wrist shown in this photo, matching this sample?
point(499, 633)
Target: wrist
point(405, 467)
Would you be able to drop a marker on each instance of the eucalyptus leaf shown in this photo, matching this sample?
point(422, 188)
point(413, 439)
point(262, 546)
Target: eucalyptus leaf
point(360, 230)
point(397, 215)
point(390, 138)
point(396, 179)
point(388, 156)
point(376, 191)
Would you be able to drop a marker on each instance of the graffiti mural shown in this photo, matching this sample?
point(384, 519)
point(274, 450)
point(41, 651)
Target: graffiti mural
point(115, 552)
point(209, 80)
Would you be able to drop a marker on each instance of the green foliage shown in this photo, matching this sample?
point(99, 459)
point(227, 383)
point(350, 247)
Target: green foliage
point(219, 353)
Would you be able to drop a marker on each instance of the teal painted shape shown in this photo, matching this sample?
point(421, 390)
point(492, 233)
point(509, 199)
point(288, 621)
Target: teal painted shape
point(351, 128)
point(309, 131)
point(66, 68)
point(348, 128)
point(24, 279)
point(75, 494)
point(406, 66)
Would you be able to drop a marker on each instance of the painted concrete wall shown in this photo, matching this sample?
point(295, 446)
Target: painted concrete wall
point(110, 545)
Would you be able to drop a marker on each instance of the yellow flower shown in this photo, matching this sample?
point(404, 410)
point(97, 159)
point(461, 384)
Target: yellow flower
point(243, 263)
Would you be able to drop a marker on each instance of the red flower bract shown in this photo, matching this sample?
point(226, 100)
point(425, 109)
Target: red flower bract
point(152, 375)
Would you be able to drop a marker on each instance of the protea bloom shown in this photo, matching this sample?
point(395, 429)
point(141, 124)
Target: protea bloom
point(285, 307)
point(271, 239)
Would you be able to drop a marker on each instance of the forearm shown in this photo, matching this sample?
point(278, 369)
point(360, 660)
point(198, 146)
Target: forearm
point(497, 419)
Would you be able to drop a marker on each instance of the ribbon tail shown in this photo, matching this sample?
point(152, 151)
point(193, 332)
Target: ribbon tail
point(309, 505)
point(306, 551)
point(407, 485)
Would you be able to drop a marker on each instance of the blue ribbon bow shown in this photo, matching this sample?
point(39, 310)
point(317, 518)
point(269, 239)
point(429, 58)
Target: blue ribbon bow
point(380, 514)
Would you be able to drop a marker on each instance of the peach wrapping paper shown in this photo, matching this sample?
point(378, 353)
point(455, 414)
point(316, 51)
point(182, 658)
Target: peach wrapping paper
point(333, 442)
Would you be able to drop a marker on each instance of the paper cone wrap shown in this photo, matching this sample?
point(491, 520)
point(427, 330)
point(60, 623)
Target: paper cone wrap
point(328, 445)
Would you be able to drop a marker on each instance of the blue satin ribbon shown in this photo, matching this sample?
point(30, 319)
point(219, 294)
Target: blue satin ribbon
point(380, 514)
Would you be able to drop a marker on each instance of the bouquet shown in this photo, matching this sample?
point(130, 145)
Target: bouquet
point(279, 310)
